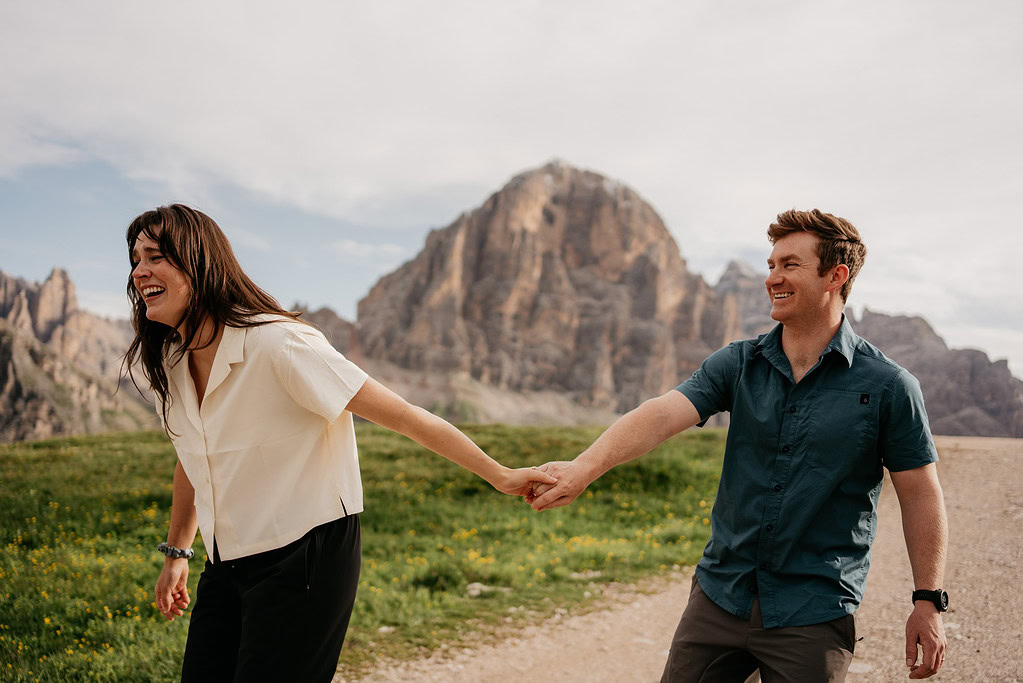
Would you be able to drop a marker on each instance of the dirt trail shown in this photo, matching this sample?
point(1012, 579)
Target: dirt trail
point(628, 640)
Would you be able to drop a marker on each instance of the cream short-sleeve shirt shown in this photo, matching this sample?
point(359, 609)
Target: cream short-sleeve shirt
point(271, 453)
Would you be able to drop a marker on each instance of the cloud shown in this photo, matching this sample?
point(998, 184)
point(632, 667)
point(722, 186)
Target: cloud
point(249, 240)
point(382, 257)
point(396, 116)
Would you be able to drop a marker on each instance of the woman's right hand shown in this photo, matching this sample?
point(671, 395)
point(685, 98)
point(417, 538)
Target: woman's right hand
point(521, 481)
point(172, 589)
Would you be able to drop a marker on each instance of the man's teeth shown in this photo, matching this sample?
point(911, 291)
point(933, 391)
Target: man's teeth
point(782, 295)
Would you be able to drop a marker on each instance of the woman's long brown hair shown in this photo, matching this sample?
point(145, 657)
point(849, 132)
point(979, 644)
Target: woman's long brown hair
point(221, 292)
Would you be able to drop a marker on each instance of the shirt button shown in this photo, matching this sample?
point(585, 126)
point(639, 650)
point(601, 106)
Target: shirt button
point(786, 449)
point(792, 409)
point(769, 527)
point(763, 565)
point(777, 487)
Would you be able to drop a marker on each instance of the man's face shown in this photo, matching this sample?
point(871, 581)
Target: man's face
point(797, 292)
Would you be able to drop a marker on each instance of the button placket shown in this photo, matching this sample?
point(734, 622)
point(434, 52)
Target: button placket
point(782, 463)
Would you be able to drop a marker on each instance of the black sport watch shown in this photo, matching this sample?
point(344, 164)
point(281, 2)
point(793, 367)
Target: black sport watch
point(938, 597)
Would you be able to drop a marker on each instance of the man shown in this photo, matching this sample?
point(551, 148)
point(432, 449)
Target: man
point(816, 412)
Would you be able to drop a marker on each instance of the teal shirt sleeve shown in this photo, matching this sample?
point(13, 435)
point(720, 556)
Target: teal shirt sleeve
point(905, 439)
point(711, 388)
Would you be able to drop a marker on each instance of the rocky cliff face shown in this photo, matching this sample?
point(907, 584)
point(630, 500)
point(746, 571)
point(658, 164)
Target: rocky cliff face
point(743, 282)
point(565, 281)
point(44, 394)
point(49, 313)
point(59, 365)
point(966, 394)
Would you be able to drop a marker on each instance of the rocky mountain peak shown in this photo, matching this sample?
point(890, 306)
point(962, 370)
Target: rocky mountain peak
point(38, 309)
point(746, 284)
point(563, 279)
point(737, 271)
point(54, 304)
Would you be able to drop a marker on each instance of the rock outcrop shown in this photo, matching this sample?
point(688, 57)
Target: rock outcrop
point(49, 313)
point(743, 282)
point(562, 281)
point(342, 334)
point(60, 365)
point(966, 393)
point(44, 394)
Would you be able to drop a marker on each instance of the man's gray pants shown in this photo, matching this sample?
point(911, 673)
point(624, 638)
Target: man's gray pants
point(712, 645)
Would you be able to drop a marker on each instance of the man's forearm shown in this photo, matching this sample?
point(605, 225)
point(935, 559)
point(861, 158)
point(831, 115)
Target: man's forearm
point(183, 522)
point(925, 526)
point(638, 432)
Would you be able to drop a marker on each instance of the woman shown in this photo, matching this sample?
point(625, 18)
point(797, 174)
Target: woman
point(259, 407)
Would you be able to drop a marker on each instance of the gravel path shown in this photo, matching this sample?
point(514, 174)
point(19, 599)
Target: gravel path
point(627, 640)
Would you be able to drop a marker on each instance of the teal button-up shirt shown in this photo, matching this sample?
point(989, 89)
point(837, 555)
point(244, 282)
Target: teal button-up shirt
point(796, 508)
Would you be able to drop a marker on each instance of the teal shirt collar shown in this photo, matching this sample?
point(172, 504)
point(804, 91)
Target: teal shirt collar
point(844, 343)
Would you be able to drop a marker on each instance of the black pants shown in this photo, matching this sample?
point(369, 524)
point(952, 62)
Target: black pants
point(279, 615)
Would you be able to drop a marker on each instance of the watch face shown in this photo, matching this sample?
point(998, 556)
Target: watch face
point(944, 601)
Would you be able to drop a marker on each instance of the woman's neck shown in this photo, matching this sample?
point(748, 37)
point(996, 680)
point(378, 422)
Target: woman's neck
point(204, 346)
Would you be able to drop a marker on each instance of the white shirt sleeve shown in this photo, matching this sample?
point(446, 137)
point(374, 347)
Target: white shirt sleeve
point(316, 375)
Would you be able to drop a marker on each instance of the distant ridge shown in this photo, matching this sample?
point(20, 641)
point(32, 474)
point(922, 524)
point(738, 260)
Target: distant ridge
point(562, 299)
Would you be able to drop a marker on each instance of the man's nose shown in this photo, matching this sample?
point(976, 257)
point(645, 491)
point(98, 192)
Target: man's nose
point(773, 278)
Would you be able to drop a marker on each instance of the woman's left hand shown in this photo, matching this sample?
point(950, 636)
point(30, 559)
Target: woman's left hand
point(519, 482)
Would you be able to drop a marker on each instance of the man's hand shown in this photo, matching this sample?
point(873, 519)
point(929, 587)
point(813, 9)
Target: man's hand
point(925, 628)
point(171, 589)
point(572, 480)
point(523, 481)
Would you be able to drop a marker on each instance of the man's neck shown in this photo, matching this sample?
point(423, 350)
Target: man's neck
point(804, 342)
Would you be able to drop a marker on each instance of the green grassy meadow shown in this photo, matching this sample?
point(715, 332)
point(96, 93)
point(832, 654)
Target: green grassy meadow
point(80, 519)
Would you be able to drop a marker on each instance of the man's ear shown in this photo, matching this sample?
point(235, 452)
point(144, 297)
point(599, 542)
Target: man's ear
point(839, 276)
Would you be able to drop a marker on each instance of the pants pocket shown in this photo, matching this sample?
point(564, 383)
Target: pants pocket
point(312, 556)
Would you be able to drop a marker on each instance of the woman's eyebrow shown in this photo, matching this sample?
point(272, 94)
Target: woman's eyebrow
point(148, 250)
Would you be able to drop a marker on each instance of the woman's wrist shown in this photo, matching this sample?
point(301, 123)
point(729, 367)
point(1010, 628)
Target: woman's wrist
point(498, 477)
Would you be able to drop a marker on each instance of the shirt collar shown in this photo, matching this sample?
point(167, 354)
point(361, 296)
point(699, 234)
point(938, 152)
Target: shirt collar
point(844, 342)
point(230, 351)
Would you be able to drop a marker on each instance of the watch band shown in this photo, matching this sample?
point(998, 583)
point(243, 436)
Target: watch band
point(938, 597)
point(176, 553)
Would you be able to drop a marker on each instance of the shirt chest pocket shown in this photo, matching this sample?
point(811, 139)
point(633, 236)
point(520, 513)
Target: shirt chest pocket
point(842, 432)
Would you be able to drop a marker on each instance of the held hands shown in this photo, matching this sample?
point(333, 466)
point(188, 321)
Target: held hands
point(171, 589)
point(925, 628)
point(571, 481)
point(522, 481)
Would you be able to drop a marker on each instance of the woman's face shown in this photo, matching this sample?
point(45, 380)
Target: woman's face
point(164, 288)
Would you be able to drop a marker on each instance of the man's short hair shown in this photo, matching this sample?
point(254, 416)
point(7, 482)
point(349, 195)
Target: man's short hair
point(838, 241)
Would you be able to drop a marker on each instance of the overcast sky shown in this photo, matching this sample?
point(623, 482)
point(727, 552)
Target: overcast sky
point(328, 138)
